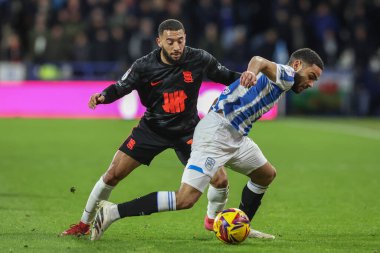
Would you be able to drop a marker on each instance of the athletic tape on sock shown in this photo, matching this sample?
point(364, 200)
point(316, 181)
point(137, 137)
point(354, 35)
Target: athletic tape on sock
point(258, 189)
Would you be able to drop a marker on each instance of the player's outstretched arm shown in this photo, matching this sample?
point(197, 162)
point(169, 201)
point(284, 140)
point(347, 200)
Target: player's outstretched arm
point(256, 65)
point(95, 99)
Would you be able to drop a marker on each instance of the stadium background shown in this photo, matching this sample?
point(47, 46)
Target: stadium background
point(99, 39)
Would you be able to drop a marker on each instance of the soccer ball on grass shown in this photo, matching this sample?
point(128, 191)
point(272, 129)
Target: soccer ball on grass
point(232, 226)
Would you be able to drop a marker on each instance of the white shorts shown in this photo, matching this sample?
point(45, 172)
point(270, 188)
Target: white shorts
point(215, 144)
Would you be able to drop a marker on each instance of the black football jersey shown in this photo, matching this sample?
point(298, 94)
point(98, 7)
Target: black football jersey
point(170, 92)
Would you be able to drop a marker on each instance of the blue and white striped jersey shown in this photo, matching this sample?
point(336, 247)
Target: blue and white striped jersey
point(243, 106)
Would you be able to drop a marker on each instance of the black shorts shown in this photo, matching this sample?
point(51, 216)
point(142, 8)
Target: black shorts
point(143, 144)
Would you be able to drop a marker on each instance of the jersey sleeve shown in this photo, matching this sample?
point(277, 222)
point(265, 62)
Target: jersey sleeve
point(217, 72)
point(284, 76)
point(124, 86)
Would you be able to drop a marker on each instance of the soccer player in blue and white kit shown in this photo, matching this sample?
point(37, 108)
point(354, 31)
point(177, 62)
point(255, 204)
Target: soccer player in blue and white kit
point(220, 138)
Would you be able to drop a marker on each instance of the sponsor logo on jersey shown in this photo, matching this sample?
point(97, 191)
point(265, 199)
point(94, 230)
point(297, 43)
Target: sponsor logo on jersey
point(131, 144)
point(187, 76)
point(210, 163)
point(155, 83)
point(174, 102)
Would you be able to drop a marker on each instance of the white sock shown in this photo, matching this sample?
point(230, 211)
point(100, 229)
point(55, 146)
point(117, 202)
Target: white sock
point(166, 201)
point(114, 212)
point(217, 199)
point(101, 191)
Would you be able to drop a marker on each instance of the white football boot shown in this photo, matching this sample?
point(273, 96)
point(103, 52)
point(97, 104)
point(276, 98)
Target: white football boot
point(260, 235)
point(103, 219)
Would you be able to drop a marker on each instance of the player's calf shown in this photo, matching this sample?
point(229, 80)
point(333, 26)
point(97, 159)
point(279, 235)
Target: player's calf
point(187, 196)
point(121, 166)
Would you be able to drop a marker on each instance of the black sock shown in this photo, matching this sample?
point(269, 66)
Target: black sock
point(250, 202)
point(145, 205)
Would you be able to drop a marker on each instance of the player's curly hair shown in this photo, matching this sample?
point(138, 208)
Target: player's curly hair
point(171, 25)
point(308, 56)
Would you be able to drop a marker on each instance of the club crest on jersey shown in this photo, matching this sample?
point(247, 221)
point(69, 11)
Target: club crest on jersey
point(209, 164)
point(187, 76)
point(226, 91)
point(131, 144)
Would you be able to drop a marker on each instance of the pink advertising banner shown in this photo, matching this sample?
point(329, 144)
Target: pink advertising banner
point(68, 99)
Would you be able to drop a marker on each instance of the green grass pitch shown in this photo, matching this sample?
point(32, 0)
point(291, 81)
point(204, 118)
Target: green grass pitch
point(325, 197)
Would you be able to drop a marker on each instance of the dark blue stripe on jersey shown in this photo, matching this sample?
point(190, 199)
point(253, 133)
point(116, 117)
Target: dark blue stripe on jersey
point(231, 88)
point(234, 85)
point(248, 97)
point(268, 99)
point(222, 96)
point(193, 167)
point(246, 130)
point(285, 76)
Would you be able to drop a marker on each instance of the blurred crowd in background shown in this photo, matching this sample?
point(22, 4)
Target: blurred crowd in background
point(344, 32)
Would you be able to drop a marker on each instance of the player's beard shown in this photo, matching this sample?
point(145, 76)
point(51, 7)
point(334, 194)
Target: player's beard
point(170, 59)
point(297, 83)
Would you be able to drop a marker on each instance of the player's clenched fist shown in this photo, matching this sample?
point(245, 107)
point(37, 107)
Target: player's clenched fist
point(95, 99)
point(248, 79)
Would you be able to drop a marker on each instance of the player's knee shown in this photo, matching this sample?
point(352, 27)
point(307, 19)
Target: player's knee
point(271, 175)
point(264, 176)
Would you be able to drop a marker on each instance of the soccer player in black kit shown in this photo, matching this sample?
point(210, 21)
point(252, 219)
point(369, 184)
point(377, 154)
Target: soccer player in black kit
point(168, 81)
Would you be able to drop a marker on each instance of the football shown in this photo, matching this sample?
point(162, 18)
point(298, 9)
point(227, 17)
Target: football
point(232, 226)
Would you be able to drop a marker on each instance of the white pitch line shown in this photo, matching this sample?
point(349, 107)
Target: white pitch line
point(338, 128)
